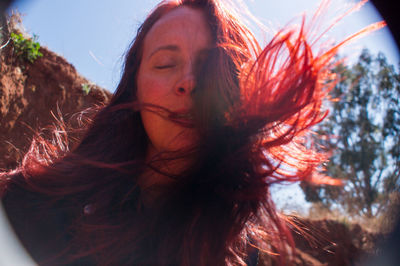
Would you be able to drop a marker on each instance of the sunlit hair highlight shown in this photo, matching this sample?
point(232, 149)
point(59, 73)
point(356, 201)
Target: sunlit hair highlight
point(254, 110)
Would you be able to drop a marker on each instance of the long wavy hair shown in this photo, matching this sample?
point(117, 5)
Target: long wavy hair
point(254, 108)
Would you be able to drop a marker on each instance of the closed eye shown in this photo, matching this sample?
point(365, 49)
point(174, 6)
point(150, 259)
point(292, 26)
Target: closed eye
point(164, 66)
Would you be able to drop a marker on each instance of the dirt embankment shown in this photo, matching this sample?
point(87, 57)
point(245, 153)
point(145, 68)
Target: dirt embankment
point(333, 243)
point(31, 92)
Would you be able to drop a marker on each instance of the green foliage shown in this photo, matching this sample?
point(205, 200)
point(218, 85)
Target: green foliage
point(26, 49)
point(363, 135)
point(86, 87)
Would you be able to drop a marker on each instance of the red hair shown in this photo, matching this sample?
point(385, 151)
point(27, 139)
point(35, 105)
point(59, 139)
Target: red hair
point(254, 110)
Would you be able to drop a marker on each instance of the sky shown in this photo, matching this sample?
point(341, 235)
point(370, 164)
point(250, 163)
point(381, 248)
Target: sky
point(94, 34)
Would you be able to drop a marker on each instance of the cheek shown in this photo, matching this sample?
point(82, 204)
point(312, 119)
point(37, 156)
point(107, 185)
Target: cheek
point(154, 127)
point(152, 90)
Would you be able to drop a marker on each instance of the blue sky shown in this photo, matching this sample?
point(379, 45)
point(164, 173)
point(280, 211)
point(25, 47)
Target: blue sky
point(94, 34)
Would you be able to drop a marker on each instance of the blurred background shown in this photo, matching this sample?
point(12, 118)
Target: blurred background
point(93, 35)
point(365, 120)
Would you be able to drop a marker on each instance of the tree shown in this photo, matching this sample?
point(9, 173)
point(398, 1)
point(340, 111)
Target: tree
point(362, 134)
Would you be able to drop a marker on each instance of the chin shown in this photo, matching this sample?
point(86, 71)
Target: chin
point(182, 145)
point(182, 141)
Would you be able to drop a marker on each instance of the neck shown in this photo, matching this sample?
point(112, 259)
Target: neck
point(163, 171)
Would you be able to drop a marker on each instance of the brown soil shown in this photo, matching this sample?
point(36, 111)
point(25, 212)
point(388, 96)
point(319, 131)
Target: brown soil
point(329, 242)
point(30, 94)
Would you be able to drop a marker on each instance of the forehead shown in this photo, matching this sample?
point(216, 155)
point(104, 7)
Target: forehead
point(183, 25)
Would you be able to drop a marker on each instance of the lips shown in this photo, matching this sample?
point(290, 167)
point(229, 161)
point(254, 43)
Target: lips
point(182, 117)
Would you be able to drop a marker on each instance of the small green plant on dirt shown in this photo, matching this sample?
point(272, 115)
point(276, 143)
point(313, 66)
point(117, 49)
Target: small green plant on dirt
point(86, 87)
point(24, 48)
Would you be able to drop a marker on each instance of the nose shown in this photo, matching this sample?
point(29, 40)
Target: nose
point(186, 85)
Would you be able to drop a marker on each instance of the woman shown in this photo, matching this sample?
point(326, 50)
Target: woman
point(176, 169)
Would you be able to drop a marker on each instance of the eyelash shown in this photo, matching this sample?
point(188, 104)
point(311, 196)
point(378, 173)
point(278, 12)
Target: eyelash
point(164, 66)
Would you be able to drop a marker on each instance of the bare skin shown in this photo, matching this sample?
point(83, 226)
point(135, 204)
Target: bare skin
point(166, 78)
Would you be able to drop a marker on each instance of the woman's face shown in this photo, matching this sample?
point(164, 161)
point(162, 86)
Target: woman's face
point(171, 50)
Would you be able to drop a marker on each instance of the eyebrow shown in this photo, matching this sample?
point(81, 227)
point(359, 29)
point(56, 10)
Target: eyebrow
point(170, 47)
